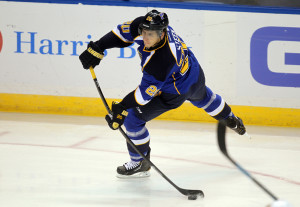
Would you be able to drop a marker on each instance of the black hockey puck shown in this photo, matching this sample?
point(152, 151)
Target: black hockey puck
point(192, 197)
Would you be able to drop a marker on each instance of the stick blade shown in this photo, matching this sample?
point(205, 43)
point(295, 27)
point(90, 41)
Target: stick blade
point(222, 145)
point(193, 193)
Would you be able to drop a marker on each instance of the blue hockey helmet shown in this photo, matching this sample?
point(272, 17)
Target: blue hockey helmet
point(154, 20)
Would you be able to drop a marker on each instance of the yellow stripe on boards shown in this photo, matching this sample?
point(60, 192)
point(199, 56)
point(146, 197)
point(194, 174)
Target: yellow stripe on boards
point(84, 106)
point(52, 104)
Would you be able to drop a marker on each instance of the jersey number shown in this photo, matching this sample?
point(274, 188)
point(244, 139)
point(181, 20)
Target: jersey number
point(151, 90)
point(185, 64)
point(125, 27)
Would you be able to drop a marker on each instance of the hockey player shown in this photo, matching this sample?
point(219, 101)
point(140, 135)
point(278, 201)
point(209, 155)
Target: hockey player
point(171, 75)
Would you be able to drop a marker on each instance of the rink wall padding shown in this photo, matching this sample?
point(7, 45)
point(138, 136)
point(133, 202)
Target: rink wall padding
point(250, 57)
point(83, 106)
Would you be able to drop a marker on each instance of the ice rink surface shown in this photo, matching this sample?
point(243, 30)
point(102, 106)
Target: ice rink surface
point(70, 161)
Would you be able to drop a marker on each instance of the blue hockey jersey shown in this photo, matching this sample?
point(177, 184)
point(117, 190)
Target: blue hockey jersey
point(169, 67)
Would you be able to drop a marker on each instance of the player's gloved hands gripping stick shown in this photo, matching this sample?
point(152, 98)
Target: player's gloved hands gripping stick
point(118, 115)
point(91, 56)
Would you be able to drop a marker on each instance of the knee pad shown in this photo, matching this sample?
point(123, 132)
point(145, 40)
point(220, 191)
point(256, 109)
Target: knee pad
point(132, 123)
point(207, 98)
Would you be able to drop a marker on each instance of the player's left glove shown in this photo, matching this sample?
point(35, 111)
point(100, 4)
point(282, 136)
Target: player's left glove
point(118, 116)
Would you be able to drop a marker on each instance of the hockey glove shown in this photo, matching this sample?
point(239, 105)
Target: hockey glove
point(118, 116)
point(91, 56)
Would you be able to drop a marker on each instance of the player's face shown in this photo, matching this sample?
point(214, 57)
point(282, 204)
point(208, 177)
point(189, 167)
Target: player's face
point(150, 38)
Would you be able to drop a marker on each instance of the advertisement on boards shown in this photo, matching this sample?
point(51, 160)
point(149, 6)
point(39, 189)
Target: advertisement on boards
point(269, 59)
point(251, 59)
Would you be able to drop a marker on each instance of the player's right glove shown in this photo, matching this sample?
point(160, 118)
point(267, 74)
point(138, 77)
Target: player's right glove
point(91, 56)
point(118, 116)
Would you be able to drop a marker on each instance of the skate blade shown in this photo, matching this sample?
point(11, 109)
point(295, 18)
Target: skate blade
point(136, 175)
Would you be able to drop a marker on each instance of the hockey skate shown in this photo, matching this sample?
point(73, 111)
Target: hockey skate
point(236, 124)
point(133, 169)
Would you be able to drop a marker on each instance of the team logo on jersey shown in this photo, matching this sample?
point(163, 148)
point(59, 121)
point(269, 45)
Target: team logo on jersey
point(161, 15)
point(1, 41)
point(151, 90)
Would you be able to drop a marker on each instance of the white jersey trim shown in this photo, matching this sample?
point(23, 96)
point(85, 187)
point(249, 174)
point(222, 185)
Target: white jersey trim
point(212, 98)
point(141, 141)
point(174, 51)
point(136, 134)
point(140, 37)
point(148, 58)
point(139, 98)
point(218, 110)
point(117, 32)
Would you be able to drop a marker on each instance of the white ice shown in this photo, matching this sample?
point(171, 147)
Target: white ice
point(70, 161)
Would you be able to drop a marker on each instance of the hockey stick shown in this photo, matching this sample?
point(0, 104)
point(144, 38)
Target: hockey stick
point(192, 194)
point(222, 146)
